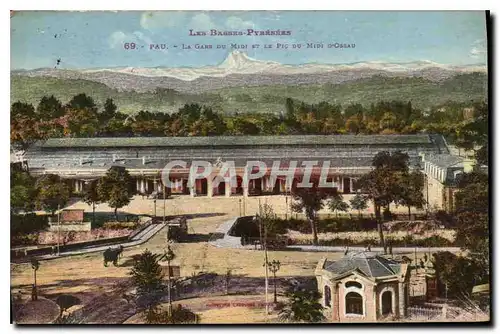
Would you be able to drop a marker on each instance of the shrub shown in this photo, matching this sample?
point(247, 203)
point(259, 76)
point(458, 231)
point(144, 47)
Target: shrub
point(30, 239)
point(407, 241)
point(180, 315)
point(28, 223)
point(340, 224)
point(444, 218)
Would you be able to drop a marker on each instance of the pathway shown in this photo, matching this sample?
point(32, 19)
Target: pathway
point(138, 239)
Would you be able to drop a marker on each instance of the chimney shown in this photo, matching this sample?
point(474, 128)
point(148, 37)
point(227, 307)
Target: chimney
point(114, 157)
point(143, 160)
point(81, 161)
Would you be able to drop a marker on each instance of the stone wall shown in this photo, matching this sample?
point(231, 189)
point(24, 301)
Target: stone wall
point(71, 226)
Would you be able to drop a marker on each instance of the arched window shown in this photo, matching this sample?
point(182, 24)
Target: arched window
point(328, 296)
point(353, 284)
point(386, 302)
point(353, 303)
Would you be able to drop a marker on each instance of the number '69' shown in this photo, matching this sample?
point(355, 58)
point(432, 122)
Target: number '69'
point(129, 46)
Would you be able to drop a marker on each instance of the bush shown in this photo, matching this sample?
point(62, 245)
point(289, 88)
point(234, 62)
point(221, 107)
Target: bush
point(345, 224)
point(28, 223)
point(407, 241)
point(30, 239)
point(180, 315)
point(444, 218)
point(340, 224)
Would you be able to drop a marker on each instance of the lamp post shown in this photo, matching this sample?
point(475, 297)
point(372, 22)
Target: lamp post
point(169, 256)
point(58, 229)
point(263, 239)
point(274, 266)
point(34, 265)
point(164, 203)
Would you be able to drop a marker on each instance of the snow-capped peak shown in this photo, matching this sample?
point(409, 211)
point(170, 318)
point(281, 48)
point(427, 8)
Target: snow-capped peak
point(238, 61)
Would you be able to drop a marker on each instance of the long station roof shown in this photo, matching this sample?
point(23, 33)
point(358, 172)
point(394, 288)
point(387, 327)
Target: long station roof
point(237, 141)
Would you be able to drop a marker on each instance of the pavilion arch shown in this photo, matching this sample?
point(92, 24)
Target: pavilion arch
point(386, 304)
point(354, 303)
point(387, 301)
point(327, 296)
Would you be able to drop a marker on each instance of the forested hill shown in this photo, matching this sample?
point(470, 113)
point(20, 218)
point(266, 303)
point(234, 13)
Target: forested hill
point(423, 93)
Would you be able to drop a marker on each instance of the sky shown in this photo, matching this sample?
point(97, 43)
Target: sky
point(97, 39)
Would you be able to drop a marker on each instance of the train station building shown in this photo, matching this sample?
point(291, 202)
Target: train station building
point(347, 157)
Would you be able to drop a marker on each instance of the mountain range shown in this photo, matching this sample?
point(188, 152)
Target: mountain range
point(239, 70)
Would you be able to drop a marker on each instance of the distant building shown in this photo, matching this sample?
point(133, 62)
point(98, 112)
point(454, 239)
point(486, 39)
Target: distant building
point(79, 160)
point(69, 220)
point(363, 286)
point(442, 173)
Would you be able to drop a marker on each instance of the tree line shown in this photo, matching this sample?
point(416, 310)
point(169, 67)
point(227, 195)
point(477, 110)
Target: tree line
point(466, 124)
point(50, 192)
point(390, 181)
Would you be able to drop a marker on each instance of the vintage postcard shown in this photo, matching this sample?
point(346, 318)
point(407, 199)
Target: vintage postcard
point(242, 167)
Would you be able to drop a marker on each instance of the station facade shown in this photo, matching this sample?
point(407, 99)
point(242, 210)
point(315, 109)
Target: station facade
point(82, 160)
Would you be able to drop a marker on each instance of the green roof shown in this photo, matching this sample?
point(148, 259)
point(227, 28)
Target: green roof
point(236, 141)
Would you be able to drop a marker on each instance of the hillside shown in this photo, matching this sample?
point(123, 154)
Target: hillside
point(270, 98)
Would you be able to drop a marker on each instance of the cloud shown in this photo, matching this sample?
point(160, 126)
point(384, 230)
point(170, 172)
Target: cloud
point(478, 48)
point(117, 39)
point(202, 21)
point(234, 22)
point(158, 20)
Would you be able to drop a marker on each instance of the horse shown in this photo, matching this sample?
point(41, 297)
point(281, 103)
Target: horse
point(112, 255)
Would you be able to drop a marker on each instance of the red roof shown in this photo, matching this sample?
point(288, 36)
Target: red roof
point(72, 215)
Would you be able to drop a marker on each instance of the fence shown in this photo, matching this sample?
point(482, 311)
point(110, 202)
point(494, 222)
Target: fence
point(425, 313)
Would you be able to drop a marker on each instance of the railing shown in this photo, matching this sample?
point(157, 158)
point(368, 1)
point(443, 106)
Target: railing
point(20, 253)
point(425, 312)
point(140, 229)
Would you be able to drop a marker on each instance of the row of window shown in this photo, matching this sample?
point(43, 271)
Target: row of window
point(354, 300)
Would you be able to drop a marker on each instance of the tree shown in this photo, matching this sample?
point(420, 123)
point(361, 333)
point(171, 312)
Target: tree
point(23, 124)
point(310, 201)
point(241, 126)
point(109, 110)
point(147, 274)
point(82, 101)
point(457, 275)
point(412, 187)
point(22, 109)
point(336, 203)
point(359, 202)
point(472, 211)
point(91, 197)
point(475, 133)
point(302, 306)
point(22, 191)
point(81, 123)
point(52, 192)
point(290, 110)
point(49, 108)
point(383, 184)
point(353, 124)
point(115, 188)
